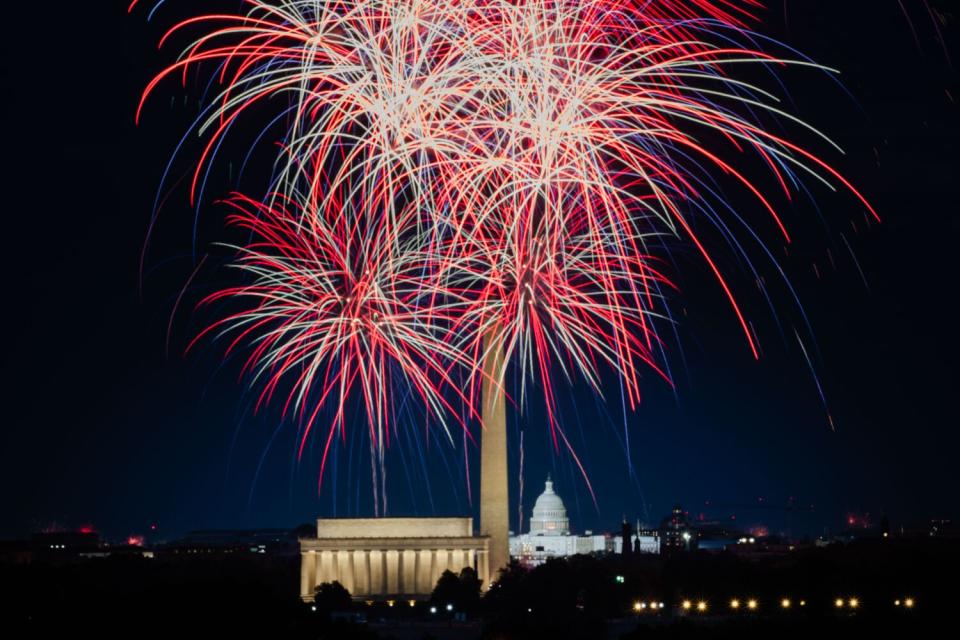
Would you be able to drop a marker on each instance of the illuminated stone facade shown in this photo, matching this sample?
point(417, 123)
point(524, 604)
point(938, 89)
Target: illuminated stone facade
point(494, 490)
point(383, 558)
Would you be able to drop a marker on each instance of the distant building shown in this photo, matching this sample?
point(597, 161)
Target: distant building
point(65, 543)
point(944, 528)
point(550, 536)
point(16, 552)
point(646, 540)
point(275, 542)
point(636, 541)
point(937, 528)
point(719, 536)
point(676, 533)
point(65, 547)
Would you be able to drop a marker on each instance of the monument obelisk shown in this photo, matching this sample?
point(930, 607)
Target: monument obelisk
point(494, 495)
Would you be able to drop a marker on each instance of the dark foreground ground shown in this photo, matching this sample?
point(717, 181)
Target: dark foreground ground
point(242, 596)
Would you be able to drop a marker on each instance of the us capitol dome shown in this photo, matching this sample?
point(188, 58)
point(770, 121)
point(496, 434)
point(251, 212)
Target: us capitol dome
point(549, 514)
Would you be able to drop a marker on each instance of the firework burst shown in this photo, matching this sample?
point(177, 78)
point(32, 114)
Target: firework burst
point(338, 313)
point(457, 175)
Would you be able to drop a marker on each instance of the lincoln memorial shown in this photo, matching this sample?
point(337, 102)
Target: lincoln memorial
point(390, 557)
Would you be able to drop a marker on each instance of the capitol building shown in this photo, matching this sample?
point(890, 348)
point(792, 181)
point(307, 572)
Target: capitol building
point(550, 536)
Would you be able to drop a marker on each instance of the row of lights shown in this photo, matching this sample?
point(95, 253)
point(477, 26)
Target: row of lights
point(411, 604)
point(391, 603)
point(701, 606)
point(752, 604)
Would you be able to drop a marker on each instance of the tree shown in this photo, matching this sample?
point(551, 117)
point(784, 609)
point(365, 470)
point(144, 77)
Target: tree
point(470, 585)
point(505, 592)
point(463, 591)
point(332, 596)
point(447, 590)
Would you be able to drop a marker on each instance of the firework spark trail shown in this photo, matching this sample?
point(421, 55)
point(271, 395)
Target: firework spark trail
point(453, 169)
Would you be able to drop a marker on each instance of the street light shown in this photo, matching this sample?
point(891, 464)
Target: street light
point(785, 603)
point(687, 604)
point(701, 606)
point(854, 603)
point(752, 604)
point(734, 604)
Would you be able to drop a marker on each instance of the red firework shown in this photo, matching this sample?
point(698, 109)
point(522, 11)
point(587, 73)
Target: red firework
point(453, 172)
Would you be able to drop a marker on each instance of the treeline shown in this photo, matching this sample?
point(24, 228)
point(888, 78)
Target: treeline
point(579, 597)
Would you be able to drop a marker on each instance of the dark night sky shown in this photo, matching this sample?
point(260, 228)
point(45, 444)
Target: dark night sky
point(100, 426)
